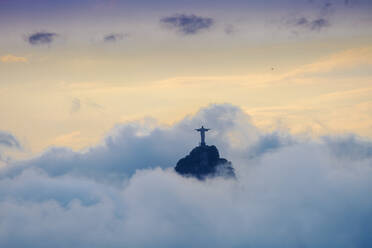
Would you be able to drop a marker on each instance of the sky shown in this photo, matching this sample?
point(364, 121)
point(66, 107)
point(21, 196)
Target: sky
point(71, 70)
point(99, 99)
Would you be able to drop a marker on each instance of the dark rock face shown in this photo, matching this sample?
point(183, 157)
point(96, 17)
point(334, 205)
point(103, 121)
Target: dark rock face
point(204, 161)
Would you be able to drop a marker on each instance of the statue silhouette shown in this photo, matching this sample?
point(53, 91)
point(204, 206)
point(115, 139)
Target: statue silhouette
point(202, 131)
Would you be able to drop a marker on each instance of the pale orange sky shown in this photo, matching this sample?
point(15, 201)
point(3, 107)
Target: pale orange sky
point(73, 90)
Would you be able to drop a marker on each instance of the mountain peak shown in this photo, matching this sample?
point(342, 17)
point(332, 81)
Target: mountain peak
point(204, 161)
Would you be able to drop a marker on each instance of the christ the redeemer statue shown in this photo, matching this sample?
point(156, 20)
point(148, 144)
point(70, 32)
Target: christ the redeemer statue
point(202, 131)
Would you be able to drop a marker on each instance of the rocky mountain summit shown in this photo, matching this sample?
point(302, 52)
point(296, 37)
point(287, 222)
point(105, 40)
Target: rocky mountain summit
point(204, 161)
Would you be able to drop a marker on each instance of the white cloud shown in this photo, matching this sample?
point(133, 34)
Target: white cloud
point(288, 193)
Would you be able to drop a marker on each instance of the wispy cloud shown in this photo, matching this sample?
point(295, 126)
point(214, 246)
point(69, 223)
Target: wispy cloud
point(10, 58)
point(9, 140)
point(114, 37)
point(41, 38)
point(187, 24)
point(312, 25)
point(230, 29)
point(318, 24)
point(75, 105)
point(317, 21)
point(341, 60)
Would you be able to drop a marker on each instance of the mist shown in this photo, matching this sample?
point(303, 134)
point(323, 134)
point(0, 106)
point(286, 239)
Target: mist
point(289, 192)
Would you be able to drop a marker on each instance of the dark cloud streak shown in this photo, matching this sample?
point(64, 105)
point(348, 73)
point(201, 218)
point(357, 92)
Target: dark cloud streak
point(319, 24)
point(311, 25)
point(113, 37)
point(41, 38)
point(188, 24)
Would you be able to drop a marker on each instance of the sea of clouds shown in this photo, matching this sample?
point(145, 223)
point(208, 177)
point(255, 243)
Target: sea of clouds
point(290, 191)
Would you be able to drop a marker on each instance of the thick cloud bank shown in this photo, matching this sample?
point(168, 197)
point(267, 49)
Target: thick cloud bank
point(289, 192)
